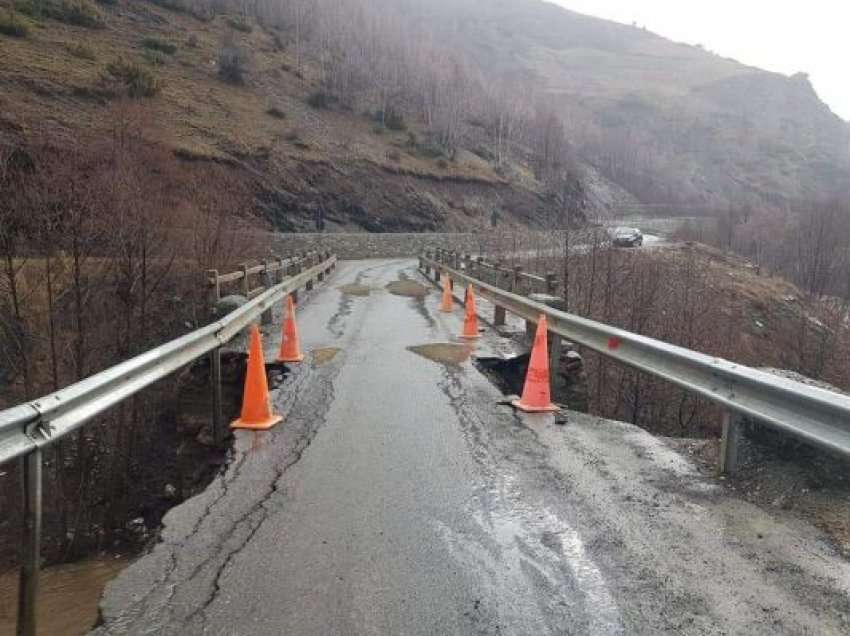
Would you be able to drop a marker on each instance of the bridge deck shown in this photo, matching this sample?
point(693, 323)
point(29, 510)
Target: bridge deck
point(399, 498)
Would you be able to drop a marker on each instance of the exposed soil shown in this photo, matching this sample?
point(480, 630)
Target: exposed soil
point(781, 474)
point(325, 355)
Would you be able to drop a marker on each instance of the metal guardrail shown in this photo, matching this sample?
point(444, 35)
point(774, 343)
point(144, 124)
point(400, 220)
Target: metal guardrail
point(500, 275)
point(817, 416)
point(268, 270)
point(27, 429)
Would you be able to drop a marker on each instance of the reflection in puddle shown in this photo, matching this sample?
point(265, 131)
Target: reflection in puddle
point(353, 289)
point(443, 352)
point(408, 288)
point(68, 598)
point(325, 355)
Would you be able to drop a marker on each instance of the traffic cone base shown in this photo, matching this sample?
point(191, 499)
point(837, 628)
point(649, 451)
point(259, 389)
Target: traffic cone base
point(534, 409)
point(262, 425)
point(536, 394)
point(257, 412)
point(290, 347)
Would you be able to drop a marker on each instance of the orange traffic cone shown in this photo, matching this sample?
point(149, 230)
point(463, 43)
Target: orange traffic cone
point(470, 320)
point(535, 394)
point(290, 347)
point(256, 403)
point(448, 301)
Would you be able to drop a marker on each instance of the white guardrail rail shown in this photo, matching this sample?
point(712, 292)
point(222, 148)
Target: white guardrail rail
point(26, 429)
point(817, 416)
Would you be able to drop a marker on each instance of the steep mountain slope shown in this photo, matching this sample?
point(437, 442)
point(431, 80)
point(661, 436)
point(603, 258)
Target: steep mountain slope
point(672, 123)
point(649, 121)
point(303, 162)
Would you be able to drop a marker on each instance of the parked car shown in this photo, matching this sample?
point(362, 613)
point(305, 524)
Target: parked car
point(628, 237)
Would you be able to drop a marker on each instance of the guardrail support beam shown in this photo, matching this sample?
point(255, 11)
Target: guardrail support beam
point(499, 316)
point(246, 284)
point(215, 287)
point(31, 543)
point(730, 443)
point(215, 386)
point(267, 317)
point(297, 268)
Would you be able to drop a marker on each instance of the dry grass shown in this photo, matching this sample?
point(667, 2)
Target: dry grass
point(203, 117)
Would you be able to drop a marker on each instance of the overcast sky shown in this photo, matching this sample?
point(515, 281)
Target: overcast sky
point(786, 36)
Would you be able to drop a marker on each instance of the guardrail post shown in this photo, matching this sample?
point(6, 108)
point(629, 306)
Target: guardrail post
point(246, 284)
point(730, 443)
point(215, 287)
point(499, 316)
point(215, 385)
point(266, 317)
point(551, 283)
point(499, 313)
point(298, 267)
point(31, 544)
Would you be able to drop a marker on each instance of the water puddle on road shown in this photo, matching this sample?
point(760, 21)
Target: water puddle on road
point(444, 352)
point(354, 289)
point(408, 288)
point(68, 599)
point(325, 355)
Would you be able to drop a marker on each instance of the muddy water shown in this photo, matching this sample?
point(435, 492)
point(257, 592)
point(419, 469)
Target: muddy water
point(69, 597)
point(444, 352)
point(408, 288)
point(353, 289)
point(323, 356)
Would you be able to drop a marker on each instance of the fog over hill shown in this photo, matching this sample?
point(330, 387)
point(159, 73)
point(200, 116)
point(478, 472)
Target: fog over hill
point(671, 123)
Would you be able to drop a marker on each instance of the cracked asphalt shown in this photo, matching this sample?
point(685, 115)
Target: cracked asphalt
point(397, 497)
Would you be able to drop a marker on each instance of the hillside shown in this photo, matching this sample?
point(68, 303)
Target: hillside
point(302, 161)
point(642, 120)
point(669, 122)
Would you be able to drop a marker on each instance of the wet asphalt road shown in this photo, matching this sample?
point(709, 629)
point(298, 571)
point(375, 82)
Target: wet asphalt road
point(398, 498)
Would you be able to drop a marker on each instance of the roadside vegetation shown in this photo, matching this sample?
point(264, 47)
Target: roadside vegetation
point(698, 297)
point(13, 25)
point(103, 243)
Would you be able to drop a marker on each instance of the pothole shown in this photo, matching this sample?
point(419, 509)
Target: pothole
point(353, 289)
point(507, 374)
point(444, 352)
point(325, 355)
point(409, 288)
